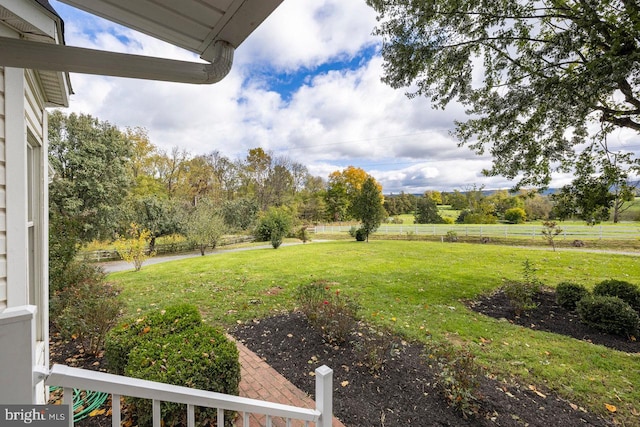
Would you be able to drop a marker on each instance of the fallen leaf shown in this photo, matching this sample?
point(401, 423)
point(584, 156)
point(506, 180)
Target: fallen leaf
point(97, 412)
point(573, 406)
point(344, 383)
point(146, 330)
point(610, 408)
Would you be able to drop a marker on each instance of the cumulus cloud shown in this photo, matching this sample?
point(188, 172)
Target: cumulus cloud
point(334, 118)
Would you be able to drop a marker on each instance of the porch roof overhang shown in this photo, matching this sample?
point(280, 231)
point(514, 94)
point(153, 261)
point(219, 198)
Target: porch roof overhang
point(210, 28)
point(38, 22)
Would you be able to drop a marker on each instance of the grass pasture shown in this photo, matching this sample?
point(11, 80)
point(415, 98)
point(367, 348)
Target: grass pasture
point(418, 289)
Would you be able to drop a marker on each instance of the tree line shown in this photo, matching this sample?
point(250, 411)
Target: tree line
point(107, 181)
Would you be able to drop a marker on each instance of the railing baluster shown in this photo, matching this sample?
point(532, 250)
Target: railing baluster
point(67, 398)
point(69, 378)
point(115, 410)
point(191, 416)
point(157, 418)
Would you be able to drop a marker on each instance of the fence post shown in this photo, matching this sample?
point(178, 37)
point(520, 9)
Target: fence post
point(324, 395)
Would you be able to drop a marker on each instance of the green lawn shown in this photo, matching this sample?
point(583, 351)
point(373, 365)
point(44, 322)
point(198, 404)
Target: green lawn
point(416, 288)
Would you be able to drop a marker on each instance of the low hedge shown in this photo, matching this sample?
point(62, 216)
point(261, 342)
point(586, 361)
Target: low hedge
point(200, 357)
point(127, 335)
point(568, 294)
point(628, 292)
point(609, 314)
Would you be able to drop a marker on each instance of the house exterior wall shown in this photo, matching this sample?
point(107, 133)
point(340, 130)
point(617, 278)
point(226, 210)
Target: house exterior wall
point(24, 304)
point(3, 199)
point(23, 205)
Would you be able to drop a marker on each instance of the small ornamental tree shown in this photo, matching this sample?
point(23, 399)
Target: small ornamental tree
point(134, 248)
point(368, 207)
point(274, 225)
point(205, 227)
point(550, 230)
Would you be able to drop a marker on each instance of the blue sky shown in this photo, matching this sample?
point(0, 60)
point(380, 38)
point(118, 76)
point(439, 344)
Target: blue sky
point(306, 85)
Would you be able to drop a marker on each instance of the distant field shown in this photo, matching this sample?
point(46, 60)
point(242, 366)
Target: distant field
point(632, 212)
point(418, 289)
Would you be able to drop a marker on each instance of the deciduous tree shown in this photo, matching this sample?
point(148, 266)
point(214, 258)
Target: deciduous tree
point(90, 159)
point(205, 226)
point(368, 207)
point(533, 75)
point(427, 212)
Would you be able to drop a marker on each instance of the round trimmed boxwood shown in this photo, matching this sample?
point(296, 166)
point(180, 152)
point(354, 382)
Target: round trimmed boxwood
point(628, 292)
point(568, 294)
point(201, 357)
point(127, 335)
point(609, 314)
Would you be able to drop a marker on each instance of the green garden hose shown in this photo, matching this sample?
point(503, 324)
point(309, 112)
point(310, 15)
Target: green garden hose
point(87, 400)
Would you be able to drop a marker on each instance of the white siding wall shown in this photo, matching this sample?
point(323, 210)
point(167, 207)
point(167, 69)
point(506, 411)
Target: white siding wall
point(3, 206)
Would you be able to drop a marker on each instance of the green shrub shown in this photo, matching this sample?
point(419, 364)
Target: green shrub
point(515, 215)
point(457, 376)
point(521, 292)
point(628, 292)
point(91, 308)
point(273, 225)
point(359, 233)
point(124, 337)
point(200, 357)
point(568, 294)
point(329, 311)
point(376, 348)
point(451, 236)
point(609, 314)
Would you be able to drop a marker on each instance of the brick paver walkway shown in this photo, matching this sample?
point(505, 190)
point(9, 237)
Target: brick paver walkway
point(261, 381)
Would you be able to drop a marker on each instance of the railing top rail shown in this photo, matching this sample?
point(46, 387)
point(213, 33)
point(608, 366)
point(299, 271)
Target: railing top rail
point(66, 376)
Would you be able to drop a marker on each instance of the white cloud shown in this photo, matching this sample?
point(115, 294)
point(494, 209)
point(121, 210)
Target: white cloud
point(334, 119)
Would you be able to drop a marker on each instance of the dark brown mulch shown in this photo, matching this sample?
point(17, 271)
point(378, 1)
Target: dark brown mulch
point(71, 353)
point(551, 317)
point(402, 393)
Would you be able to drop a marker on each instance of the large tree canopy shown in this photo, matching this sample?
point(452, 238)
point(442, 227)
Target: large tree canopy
point(547, 69)
point(90, 159)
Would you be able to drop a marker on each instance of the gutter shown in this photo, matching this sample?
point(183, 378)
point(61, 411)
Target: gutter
point(44, 56)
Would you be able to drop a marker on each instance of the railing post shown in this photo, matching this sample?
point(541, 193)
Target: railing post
point(324, 395)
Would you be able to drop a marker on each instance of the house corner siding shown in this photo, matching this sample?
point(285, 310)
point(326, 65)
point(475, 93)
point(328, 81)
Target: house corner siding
point(3, 199)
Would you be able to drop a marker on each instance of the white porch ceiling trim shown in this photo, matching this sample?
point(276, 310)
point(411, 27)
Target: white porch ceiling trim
point(46, 56)
point(213, 29)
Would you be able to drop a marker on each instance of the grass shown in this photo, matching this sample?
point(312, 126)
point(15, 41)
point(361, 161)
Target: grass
point(417, 288)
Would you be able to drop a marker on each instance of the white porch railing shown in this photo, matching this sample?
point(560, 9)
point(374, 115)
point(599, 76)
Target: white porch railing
point(69, 378)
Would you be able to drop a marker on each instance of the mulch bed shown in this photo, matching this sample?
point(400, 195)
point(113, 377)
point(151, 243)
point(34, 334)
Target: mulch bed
point(551, 317)
point(401, 391)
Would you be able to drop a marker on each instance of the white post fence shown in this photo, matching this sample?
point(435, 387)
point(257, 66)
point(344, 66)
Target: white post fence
point(69, 378)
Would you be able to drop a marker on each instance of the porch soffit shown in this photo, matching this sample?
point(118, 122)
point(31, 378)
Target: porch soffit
point(54, 84)
point(194, 25)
